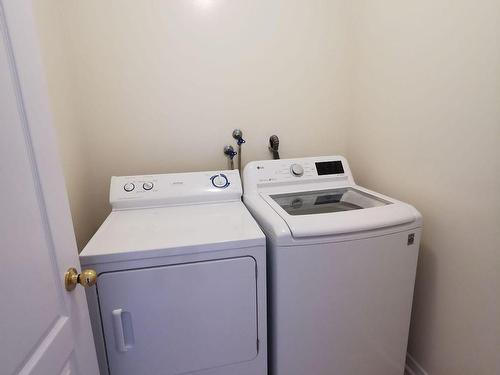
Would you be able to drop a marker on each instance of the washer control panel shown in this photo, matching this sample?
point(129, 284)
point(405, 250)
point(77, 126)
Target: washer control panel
point(331, 169)
point(283, 170)
point(175, 188)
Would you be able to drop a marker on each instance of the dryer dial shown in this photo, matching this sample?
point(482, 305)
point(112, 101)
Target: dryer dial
point(128, 187)
point(147, 186)
point(220, 181)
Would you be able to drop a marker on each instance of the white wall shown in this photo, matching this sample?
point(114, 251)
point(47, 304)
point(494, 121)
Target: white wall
point(426, 129)
point(158, 86)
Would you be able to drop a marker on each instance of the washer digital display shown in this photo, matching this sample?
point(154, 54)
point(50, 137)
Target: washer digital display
point(329, 167)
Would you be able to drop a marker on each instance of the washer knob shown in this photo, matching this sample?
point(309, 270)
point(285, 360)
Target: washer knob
point(128, 187)
point(297, 170)
point(220, 181)
point(147, 185)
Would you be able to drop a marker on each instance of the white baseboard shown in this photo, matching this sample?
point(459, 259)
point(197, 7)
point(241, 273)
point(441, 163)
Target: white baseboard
point(413, 367)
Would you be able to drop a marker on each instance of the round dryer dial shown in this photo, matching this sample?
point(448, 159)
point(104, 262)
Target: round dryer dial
point(220, 181)
point(147, 185)
point(128, 187)
point(297, 170)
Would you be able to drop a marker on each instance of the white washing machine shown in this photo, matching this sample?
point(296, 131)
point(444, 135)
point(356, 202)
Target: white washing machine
point(341, 268)
point(181, 285)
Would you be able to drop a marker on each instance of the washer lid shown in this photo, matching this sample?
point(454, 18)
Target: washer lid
point(338, 211)
point(326, 201)
point(173, 230)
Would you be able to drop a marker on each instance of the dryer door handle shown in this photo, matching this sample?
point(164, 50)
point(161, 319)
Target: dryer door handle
point(124, 335)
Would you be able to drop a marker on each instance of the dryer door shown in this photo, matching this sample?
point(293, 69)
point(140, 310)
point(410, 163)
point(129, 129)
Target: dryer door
point(180, 318)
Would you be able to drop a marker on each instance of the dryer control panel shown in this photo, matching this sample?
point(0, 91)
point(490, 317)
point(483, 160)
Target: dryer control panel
point(174, 189)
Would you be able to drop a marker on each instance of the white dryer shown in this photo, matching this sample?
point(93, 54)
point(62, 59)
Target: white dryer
point(341, 263)
point(181, 282)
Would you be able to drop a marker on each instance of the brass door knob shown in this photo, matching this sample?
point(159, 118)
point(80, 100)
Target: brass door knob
point(86, 279)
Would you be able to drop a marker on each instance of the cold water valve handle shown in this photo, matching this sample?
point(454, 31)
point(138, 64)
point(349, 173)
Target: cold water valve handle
point(238, 135)
point(230, 153)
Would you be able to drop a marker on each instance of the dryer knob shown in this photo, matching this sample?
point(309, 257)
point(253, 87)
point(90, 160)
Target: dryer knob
point(128, 187)
point(147, 185)
point(220, 181)
point(297, 170)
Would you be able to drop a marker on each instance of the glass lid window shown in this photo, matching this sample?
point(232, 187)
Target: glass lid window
point(327, 201)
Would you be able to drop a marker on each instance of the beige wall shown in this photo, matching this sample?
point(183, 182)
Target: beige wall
point(158, 86)
point(66, 110)
point(409, 91)
point(426, 129)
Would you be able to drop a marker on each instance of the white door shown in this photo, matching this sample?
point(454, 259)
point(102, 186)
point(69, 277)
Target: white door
point(194, 317)
point(43, 328)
